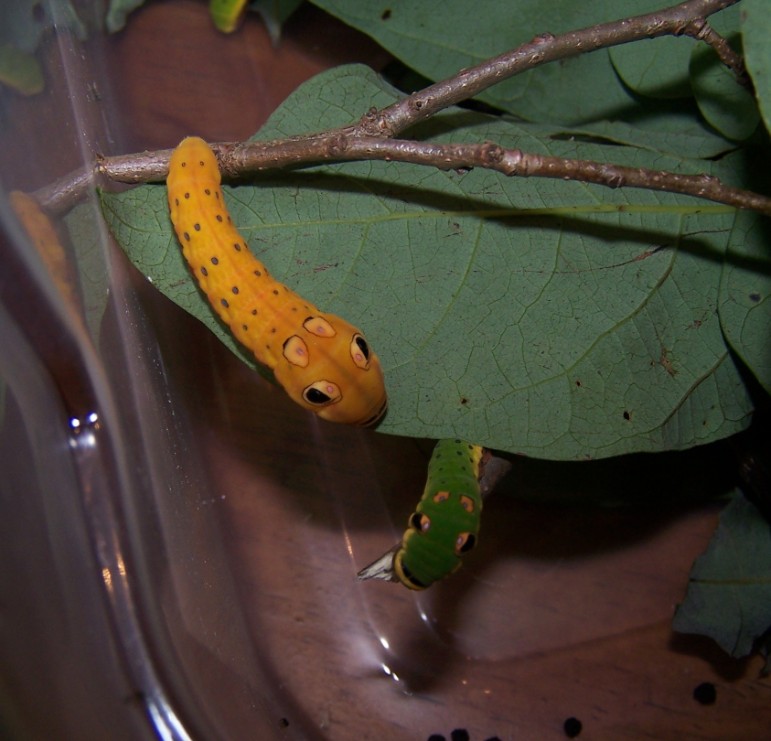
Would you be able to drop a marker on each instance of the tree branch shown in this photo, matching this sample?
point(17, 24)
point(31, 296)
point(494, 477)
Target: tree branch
point(491, 156)
point(542, 49)
point(372, 136)
point(236, 159)
point(700, 30)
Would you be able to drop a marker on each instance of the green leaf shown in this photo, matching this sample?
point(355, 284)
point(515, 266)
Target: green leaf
point(438, 37)
point(139, 220)
point(86, 236)
point(118, 11)
point(729, 593)
point(668, 132)
point(756, 31)
point(20, 70)
point(546, 317)
point(723, 102)
point(657, 68)
point(23, 24)
point(745, 295)
point(275, 13)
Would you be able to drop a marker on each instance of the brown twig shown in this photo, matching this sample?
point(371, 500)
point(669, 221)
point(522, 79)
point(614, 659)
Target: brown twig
point(700, 30)
point(372, 136)
point(542, 49)
point(236, 158)
point(488, 155)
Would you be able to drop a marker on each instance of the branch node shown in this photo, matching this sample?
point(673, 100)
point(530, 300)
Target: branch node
point(337, 146)
point(492, 153)
point(374, 123)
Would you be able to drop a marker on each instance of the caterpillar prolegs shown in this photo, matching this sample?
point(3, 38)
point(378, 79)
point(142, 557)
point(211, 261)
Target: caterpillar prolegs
point(324, 363)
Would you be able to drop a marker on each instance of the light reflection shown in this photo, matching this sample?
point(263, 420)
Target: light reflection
point(121, 565)
point(165, 721)
point(84, 439)
point(424, 615)
point(83, 429)
point(348, 543)
point(372, 657)
point(390, 672)
point(107, 573)
point(91, 419)
point(367, 653)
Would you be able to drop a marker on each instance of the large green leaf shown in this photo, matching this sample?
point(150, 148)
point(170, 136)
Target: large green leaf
point(86, 236)
point(25, 21)
point(22, 26)
point(745, 295)
point(756, 31)
point(275, 14)
point(680, 67)
point(20, 70)
point(655, 67)
point(117, 13)
point(727, 105)
point(550, 318)
point(729, 593)
point(438, 37)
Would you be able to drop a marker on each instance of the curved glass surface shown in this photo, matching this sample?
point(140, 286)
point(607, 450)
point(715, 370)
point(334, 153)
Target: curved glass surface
point(179, 543)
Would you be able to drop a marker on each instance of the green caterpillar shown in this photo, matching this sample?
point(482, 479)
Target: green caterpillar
point(445, 524)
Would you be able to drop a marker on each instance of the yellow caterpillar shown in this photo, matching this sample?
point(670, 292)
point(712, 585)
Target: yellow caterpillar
point(45, 238)
point(323, 362)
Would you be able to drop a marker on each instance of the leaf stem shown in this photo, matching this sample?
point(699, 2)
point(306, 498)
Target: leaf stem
point(700, 30)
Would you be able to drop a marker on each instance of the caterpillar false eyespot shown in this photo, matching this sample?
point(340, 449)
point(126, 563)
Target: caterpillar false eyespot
point(445, 524)
point(324, 363)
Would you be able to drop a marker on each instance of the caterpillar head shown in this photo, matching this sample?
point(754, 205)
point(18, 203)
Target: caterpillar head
point(329, 368)
point(440, 532)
